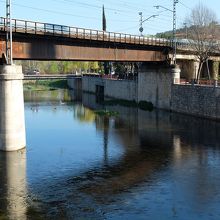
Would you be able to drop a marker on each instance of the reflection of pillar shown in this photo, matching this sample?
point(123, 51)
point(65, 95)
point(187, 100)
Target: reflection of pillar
point(177, 151)
point(105, 138)
point(12, 125)
point(13, 183)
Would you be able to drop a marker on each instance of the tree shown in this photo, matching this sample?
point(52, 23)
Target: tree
point(202, 34)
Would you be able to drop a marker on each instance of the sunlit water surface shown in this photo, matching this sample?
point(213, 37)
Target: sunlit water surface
point(138, 165)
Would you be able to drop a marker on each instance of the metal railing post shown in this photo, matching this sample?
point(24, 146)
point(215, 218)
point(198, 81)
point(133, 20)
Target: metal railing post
point(61, 28)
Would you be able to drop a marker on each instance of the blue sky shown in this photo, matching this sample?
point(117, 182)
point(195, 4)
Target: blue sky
point(121, 15)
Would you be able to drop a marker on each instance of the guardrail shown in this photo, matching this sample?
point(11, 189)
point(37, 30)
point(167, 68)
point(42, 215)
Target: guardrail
point(38, 28)
point(45, 77)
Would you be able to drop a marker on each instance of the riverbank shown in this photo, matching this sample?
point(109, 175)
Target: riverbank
point(45, 85)
point(159, 90)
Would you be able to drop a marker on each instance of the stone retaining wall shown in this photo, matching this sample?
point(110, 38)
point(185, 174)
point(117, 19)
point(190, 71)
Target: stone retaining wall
point(156, 85)
point(118, 89)
point(203, 101)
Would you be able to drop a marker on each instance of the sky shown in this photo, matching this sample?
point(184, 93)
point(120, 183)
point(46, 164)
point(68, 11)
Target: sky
point(121, 15)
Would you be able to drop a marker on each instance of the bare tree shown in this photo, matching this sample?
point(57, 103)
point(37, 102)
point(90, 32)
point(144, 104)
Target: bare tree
point(202, 30)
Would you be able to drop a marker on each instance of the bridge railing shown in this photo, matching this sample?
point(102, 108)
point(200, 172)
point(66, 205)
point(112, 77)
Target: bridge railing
point(31, 27)
point(39, 28)
point(203, 82)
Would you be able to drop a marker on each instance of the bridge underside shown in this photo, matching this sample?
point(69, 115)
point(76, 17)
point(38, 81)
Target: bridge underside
point(40, 47)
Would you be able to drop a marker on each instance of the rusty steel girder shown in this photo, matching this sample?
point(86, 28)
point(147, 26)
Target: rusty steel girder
point(40, 47)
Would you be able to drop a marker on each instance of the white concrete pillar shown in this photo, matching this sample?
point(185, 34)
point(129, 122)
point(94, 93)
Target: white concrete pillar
point(12, 123)
point(175, 71)
point(195, 69)
point(214, 70)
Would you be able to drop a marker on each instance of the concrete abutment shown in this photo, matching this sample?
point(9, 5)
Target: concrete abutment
point(155, 84)
point(12, 122)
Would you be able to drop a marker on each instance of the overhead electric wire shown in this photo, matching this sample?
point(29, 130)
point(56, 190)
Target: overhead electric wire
point(73, 15)
point(67, 14)
point(185, 5)
point(163, 20)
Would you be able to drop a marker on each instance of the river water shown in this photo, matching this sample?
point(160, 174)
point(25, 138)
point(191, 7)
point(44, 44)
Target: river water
point(137, 165)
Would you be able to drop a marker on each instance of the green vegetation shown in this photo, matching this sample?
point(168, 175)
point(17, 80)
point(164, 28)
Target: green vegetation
point(105, 112)
point(45, 85)
point(167, 35)
point(60, 67)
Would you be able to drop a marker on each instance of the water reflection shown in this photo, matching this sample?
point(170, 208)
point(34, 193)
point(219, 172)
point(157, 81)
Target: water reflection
point(13, 187)
point(35, 97)
point(138, 165)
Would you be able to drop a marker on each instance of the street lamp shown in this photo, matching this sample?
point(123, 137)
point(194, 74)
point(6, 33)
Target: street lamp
point(185, 25)
point(174, 25)
point(141, 29)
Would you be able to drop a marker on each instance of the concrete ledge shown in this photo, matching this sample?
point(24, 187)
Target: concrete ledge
point(11, 72)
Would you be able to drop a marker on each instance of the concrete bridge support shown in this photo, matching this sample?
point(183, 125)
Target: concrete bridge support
point(214, 70)
point(155, 84)
point(189, 69)
point(12, 123)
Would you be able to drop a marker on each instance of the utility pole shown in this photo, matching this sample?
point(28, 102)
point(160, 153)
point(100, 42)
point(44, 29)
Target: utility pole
point(186, 34)
point(174, 26)
point(174, 30)
point(8, 33)
point(141, 22)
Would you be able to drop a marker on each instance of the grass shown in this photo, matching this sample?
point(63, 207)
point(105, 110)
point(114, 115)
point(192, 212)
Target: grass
point(105, 112)
point(45, 85)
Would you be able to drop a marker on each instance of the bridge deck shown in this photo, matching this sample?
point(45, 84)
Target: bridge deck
point(44, 41)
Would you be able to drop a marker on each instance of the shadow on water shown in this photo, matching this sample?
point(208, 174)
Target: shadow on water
point(167, 162)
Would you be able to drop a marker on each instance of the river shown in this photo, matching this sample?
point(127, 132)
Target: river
point(137, 165)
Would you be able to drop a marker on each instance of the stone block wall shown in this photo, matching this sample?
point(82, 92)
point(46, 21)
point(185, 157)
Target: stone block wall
point(156, 85)
point(203, 101)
